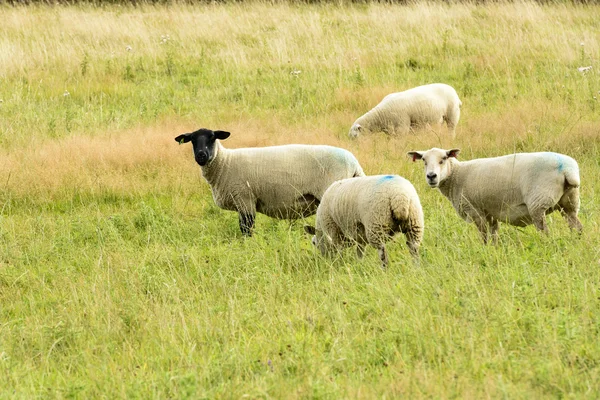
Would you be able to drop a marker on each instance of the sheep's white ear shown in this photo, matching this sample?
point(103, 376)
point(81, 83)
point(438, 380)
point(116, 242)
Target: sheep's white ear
point(453, 153)
point(222, 135)
point(186, 137)
point(310, 229)
point(415, 155)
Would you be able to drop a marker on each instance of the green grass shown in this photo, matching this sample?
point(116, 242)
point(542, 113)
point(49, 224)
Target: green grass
point(119, 277)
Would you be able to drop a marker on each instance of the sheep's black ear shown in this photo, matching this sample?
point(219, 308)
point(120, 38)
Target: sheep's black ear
point(222, 135)
point(415, 155)
point(453, 153)
point(186, 137)
point(310, 229)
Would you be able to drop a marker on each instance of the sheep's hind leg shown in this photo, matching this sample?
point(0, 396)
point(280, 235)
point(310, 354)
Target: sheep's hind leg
point(451, 130)
point(376, 238)
point(360, 250)
point(383, 256)
point(494, 226)
point(452, 120)
point(572, 220)
point(569, 207)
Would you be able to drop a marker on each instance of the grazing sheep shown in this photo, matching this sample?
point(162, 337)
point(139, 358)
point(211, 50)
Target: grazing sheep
point(519, 189)
point(398, 112)
point(368, 210)
point(281, 181)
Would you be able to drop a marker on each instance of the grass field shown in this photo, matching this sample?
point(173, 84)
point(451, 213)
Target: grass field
point(119, 277)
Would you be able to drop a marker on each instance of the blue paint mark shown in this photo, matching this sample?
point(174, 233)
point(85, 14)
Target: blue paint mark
point(559, 159)
point(561, 166)
point(385, 178)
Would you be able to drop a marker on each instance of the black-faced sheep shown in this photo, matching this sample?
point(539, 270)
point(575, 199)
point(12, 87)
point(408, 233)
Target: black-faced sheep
point(280, 181)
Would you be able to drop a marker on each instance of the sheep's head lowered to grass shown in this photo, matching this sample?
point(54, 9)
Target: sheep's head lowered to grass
point(355, 131)
point(203, 141)
point(436, 166)
point(320, 240)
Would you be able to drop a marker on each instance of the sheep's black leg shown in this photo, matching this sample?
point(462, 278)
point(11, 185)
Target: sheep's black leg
point(246, 223)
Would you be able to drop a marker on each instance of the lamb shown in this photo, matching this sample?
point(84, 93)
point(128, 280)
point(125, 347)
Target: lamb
point(285, 182)
point(368, 210)
point(519, 189)
point(416, 107)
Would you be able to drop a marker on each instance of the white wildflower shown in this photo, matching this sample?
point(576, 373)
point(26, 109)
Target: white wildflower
point(128, 48)
point(66, 93)
point(296, 72)
point(581, 44)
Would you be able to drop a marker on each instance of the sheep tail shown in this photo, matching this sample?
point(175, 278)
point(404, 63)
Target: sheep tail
point(409, 215)
point(572, 178)
point(400, 207)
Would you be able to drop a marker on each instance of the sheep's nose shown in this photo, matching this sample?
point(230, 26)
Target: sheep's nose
point(431, 175)
point(201, 158)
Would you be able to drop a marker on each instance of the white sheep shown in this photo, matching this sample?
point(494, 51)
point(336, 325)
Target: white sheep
point(416, 107)
point(368, 210)
point(280, 181)
point(519, 189)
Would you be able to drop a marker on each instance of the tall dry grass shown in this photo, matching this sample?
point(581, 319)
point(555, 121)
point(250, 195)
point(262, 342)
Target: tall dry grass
point(119, 277)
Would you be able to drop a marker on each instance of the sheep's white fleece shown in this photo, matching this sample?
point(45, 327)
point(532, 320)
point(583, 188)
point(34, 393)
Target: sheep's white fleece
point(369, 210)
point(278, 181)
point(397, 112)
point(519, 189)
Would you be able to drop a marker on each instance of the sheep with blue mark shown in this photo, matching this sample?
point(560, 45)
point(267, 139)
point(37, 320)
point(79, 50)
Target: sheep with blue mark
point(399, 112)
point(518, 189)
point(368, 210)
point(285, 182)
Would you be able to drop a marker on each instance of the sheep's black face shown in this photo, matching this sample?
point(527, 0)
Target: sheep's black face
point(203, 142)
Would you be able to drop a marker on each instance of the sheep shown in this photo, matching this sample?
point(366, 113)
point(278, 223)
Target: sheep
point(419, 106)
point(368, 210)
point(285, 182)
point(518, 189)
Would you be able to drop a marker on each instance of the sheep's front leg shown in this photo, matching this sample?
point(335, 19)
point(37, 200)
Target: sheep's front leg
point(246, 222)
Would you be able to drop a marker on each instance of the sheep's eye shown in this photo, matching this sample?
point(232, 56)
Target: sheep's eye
point(441, 162)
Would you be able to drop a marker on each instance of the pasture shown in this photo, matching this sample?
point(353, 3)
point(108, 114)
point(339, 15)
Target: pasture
point(120, 278)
